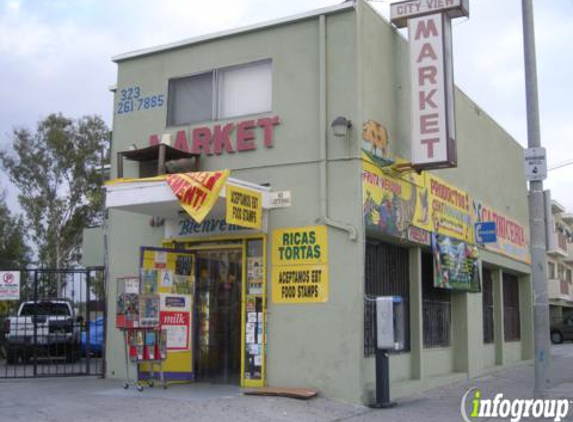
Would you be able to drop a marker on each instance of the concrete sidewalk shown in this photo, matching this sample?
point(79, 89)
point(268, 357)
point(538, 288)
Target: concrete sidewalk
point(91, 399)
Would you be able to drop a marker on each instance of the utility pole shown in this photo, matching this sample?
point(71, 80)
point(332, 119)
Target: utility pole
point(536, 215)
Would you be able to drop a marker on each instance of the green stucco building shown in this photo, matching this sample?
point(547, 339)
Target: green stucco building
point(260, 101)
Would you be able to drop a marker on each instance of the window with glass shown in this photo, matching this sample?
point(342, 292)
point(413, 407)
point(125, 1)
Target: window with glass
point(220, 94)
point(551, 270)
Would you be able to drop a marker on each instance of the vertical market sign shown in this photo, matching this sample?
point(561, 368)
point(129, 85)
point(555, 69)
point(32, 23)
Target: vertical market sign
point(456, 265)
point(244, 207)
point(300, 265)
point(9, 285)
point(432, 81)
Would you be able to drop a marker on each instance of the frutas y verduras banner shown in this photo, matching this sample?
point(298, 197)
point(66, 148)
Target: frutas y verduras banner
point(392, 204)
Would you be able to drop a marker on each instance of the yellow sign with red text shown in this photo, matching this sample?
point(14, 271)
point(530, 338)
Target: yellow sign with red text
point(197, 192)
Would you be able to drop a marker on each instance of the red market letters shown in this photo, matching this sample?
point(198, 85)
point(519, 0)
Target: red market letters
point(228, 138)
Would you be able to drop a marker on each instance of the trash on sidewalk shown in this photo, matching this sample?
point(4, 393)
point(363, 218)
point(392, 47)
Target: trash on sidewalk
point(294, 393)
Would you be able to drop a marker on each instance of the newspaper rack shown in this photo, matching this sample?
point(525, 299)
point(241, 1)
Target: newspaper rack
point(145, 345)
point(144, 340)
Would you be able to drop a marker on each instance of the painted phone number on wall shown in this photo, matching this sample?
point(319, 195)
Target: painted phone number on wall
point(131, 100)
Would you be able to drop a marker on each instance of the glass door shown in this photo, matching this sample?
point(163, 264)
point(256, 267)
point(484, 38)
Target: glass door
point(219, 275)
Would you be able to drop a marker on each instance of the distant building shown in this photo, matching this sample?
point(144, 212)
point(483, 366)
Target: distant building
point(560, 263)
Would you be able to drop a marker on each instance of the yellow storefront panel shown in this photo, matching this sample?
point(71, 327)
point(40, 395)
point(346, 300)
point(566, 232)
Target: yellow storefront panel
point(300, 283)
point(244, 207)
point(300, 245)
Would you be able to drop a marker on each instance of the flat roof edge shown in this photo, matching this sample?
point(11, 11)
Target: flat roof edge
point(241, 30)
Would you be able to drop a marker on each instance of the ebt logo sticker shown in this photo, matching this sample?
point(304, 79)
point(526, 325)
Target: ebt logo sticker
point(474, 407)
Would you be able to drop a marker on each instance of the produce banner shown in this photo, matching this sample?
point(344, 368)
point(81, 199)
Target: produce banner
point(512, 237)
point(456, 265)
point(300, 265)
point(410, 206)
point(451, 213)
point(393, 204)
point(198, 191)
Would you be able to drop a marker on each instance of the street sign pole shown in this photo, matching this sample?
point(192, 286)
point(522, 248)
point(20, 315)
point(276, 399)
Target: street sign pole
point(536, 215)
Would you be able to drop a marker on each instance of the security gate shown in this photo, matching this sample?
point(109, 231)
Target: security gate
point(57, 327)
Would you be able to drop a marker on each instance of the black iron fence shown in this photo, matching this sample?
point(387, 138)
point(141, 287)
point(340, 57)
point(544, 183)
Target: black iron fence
point(57, 327)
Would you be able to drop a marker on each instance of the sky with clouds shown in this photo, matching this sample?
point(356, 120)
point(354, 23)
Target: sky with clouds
point(55, 56)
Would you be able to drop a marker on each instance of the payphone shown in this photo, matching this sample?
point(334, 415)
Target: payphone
point(390, 335)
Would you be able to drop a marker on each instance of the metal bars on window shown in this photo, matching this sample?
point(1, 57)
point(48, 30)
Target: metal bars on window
point(436, 308)
point(487, 307)
point(386, 273)
point(511, 321)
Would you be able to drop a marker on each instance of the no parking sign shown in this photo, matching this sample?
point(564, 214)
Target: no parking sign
point(9, 285)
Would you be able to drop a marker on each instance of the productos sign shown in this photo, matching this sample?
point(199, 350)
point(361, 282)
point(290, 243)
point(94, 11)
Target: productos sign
point(227, 138)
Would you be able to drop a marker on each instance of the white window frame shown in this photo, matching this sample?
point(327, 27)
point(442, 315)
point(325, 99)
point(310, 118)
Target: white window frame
point(216, 94)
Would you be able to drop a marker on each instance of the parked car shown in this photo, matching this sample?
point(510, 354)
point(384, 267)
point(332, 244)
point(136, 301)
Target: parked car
point(562, 331)
point(96, 338)
point(47, 328)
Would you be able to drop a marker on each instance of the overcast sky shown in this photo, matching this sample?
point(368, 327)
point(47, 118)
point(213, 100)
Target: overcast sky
point(55, 56)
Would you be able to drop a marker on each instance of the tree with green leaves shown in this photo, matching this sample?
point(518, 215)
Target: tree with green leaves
point(14, 252)
point(57, 170)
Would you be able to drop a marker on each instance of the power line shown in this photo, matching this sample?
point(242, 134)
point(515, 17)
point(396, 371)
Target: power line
point(563, 164)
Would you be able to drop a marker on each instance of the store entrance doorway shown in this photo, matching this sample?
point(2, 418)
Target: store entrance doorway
point(218, 276)
point(213, 308)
